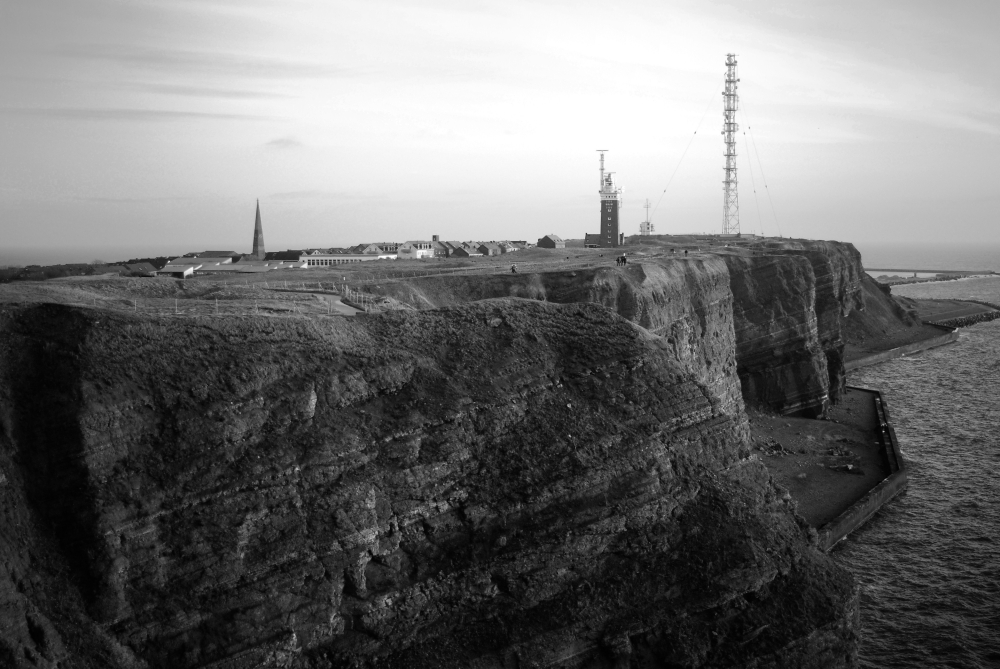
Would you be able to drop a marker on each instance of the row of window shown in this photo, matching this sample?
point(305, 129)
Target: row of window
point(314, 262)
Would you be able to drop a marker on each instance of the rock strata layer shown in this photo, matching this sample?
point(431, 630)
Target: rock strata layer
point(505, 483)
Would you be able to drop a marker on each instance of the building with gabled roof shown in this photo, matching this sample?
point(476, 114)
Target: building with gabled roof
point(489, 248)
point(551, 242)
point(443, 249)
point(465, 250)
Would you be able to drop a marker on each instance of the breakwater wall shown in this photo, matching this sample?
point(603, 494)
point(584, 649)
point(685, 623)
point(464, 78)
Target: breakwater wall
point(861, 511)
point(949, 335)
point(966, 321)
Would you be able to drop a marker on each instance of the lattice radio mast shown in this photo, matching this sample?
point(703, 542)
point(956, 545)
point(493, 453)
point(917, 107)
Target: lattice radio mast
point(730, 197)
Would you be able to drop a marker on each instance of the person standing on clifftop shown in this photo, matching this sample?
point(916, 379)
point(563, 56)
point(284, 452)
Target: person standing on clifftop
point(513, 268)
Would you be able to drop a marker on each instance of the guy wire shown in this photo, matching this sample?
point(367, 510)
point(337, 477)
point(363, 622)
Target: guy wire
point(761, 166)
point(690, 141)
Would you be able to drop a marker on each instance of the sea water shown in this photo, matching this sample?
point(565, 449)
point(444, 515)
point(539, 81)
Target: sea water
point(928, 564)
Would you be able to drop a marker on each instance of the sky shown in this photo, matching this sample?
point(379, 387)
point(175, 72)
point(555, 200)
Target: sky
point(148, 127)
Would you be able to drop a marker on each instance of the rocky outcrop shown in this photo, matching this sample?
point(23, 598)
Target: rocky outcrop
point(506, 483)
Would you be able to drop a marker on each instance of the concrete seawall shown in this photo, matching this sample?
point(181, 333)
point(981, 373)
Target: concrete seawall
point(949, 335)
point(861, 511)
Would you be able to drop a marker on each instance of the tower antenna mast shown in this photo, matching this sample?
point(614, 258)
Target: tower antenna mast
point(602, 152)
point(730, 195)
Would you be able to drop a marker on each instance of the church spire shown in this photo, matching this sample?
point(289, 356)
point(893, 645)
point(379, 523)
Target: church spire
point(258, 237)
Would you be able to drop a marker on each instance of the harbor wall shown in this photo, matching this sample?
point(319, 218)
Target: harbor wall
point(861, 511)
point(949, 335)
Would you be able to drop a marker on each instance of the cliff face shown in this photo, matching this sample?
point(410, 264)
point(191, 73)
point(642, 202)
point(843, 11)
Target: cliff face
point(781, 362)
point(787, 302)
point(688, 303)
point(499, 484)
point(839, 273)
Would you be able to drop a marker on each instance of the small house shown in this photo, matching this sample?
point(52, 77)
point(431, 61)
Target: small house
point(489, 249)
point(443, 249)
point(551, 242)
point(465, 250)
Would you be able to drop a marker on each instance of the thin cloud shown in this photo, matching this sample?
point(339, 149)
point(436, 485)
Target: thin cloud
point(206, 92)
point(125, 114)
point(284, 143)
point(205, 62)
point(132, 200)
point(307, 195)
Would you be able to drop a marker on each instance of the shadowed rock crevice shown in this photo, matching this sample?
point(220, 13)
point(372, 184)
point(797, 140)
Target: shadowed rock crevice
point(47, 401)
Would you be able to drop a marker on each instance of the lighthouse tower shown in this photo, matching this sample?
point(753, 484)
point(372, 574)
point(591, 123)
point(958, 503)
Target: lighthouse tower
point(610, 204)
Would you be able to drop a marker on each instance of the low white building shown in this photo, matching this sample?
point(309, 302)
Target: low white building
point(332, 259)
point(251, 267)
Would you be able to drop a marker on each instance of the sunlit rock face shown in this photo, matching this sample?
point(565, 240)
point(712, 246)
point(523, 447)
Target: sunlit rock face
point(501, 483)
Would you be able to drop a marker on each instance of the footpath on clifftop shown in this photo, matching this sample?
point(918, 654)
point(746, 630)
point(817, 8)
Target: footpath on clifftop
point(552, 468)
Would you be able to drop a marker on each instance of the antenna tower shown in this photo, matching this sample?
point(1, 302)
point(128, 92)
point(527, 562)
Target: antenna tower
point(646, 227)
point(730, 197)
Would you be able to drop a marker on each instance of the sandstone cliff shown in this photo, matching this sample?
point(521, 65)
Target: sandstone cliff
point(505, 483)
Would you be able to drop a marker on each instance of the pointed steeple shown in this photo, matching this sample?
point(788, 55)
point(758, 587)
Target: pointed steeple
point(258, 237)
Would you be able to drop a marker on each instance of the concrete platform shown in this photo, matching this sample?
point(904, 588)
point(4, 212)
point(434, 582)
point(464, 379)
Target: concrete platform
point(839, 471)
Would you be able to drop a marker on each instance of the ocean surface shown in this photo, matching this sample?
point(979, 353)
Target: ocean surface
point(957, 256)
point(928, 564)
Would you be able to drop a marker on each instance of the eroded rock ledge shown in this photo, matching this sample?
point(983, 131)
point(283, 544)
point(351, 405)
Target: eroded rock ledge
point(507, 483)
